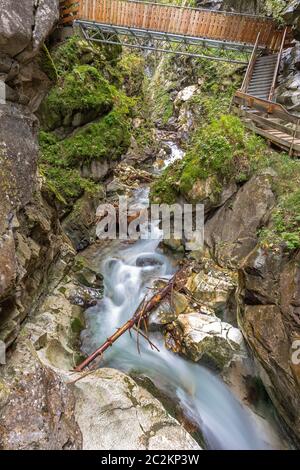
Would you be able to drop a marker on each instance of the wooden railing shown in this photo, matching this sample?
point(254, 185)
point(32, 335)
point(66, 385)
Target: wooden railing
point(216, 25)
point(68, 11)
point(265, 106)
point(276, 71)
point(250, 67)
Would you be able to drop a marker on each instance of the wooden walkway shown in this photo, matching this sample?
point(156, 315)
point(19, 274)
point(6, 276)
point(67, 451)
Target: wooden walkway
point(255, 104)
point(175, 27)
point(179, 20)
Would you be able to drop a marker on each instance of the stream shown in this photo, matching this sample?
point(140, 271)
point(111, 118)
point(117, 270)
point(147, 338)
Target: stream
point(129, 270)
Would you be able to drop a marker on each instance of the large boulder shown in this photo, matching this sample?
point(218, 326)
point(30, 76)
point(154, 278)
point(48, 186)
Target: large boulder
point(25, 25)
point(232, 232)
point(269, 316)
point(114, 413)
point(29, 235)
point(287, 91)
point(36, 406)
point(205, 338)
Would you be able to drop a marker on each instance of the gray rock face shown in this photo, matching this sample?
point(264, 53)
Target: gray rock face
point(29, 233)
point(287, 93)
point(114, 413)
point(240, 6)
point(269, 317)
point(25, 25)
point(232, 232)
point(36, 407)
point(291, 14)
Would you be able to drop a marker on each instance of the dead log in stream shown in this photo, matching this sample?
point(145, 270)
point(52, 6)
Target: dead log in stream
point(141, 314)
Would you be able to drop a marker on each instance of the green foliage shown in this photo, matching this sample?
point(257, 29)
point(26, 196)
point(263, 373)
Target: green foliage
point(48, 65)
point(284, 225)
point(85, 98)
point(131, 69)
point(223, 150)
point(84, 90)
point(275, 8)
point(66, 184)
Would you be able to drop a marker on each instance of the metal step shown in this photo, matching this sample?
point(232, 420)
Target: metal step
point(259, 88)
point(262, 73)
point(264, 58)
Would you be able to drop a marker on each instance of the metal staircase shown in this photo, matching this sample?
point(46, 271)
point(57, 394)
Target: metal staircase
point(260, 84)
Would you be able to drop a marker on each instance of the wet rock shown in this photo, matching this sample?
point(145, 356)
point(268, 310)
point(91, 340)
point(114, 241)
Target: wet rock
point(207, 338)
point(143, 261)
point(36, 406)
point(168, 311)
point(23, 27)
point(232, 232)
point(213, 287)
point(89, 277)
point(80, 224)
point(114, 413)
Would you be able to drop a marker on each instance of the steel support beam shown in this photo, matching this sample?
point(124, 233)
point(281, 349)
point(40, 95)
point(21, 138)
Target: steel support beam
point(164, 42)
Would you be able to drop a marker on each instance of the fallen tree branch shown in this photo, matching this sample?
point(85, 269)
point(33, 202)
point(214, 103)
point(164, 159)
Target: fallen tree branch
point(141, 313)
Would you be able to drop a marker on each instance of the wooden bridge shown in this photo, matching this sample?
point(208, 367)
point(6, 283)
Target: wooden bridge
point(197, 32)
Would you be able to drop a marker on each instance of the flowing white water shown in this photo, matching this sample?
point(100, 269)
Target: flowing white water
point(176, 153)
point(128, 272)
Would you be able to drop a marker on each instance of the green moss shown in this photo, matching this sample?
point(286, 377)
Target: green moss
point(84, 90)
point(222, 150)
point(67, 184)
point(284, 227)
point(131, 68)
point(48, 65)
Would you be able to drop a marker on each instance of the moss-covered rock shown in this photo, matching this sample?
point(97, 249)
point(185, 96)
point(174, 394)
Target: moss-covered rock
point(220, 154)
point(85, 118)
point(82, 96)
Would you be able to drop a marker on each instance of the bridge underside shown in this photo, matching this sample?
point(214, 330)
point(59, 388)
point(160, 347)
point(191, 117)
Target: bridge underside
point(165, 42)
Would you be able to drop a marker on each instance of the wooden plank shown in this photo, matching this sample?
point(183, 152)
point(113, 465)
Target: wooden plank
point(177, 20)
point(276, 109)
point(280, 142)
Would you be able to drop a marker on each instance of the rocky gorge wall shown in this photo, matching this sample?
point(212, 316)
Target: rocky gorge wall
point(251, 201)
point(252, 228)
point(29, 230)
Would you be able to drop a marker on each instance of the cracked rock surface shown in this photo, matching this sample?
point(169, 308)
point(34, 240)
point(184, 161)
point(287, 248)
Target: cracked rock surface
point(115, 413)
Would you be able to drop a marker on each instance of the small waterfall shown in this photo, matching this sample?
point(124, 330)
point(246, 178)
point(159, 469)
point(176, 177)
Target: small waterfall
point(129, 272)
